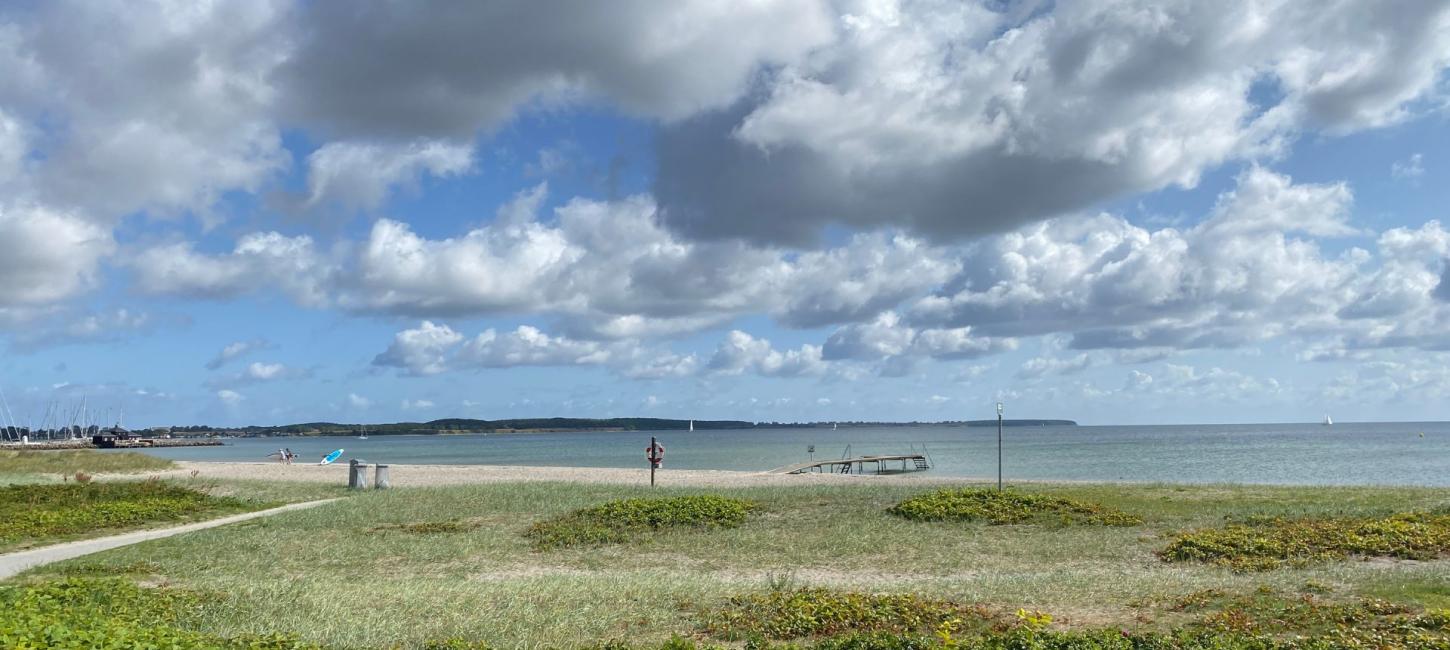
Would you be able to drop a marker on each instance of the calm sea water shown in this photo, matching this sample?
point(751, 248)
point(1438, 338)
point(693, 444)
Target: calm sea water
point(1343, 454)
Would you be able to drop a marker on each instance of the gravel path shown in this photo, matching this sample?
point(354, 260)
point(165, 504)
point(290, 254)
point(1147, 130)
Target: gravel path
point(13, 563)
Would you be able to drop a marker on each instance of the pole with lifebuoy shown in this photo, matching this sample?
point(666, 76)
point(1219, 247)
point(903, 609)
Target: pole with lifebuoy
point(655, 453)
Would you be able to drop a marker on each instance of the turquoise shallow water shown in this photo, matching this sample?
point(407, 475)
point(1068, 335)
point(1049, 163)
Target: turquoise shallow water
point(1342, 454)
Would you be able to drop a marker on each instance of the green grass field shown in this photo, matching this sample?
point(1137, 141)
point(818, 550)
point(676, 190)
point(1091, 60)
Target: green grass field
point(399, 568)
point(43, 502)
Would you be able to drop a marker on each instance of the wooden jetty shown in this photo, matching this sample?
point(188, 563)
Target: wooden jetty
point(913, 462)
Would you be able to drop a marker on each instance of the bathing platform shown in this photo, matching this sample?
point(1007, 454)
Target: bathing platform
point(914, 462)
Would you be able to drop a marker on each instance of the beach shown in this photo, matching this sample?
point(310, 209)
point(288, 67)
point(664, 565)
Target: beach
point(444, 475)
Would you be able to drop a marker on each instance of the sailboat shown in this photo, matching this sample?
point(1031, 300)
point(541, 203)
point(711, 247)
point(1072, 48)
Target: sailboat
point(362, 432)
point(692, 425)
point(833, 426)
point(1327, 420)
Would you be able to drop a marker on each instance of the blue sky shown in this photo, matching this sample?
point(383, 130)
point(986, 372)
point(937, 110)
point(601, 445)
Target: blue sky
point(1115, 212)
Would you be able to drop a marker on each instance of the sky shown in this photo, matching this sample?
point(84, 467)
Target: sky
point(1118, 212)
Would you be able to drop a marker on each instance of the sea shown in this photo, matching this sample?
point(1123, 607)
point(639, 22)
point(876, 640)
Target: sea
point(1366, 453)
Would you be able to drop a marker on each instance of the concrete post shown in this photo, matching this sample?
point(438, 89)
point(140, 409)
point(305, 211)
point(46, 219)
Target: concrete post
point(380, 477)
point(357, 477)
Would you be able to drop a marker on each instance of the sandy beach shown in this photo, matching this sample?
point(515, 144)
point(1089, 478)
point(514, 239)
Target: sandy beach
point(434, 475)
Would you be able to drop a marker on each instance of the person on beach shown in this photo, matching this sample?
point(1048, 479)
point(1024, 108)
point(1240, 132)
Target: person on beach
point(282, 456)
point(287, 456)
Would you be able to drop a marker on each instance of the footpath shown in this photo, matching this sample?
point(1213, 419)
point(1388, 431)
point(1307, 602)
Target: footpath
point(13, 563)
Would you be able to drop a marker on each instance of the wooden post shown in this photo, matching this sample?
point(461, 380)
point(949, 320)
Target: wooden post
point(380, 477)
point(652, 462)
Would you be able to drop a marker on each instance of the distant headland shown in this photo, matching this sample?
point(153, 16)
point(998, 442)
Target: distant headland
point(551, 425)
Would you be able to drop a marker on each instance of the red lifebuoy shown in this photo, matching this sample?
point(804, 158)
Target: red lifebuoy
point(655, 454)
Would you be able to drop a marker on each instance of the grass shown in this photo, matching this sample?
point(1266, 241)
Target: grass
point(1272, 544)
point(66, 462)
point(43, 513)
point(1008, 507)
point(303, 572)
point(33, 515)
point(628, 520)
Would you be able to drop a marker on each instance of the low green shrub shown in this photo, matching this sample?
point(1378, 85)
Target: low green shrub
point(97, 613)
point(1007, 507)
point(34, 513)
point(1274, 543)
point(820, 612)
point(626, 519)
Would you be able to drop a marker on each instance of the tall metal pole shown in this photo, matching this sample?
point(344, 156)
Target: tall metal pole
point(652, 463)
point(999, 446)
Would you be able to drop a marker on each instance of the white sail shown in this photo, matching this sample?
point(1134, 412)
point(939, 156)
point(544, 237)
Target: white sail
point(692, 425)
point(1327, 420)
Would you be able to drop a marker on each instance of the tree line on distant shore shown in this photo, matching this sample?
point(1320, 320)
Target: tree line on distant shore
point(468, 425)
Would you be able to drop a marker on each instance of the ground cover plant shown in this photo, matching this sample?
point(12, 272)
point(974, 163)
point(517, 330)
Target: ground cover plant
point(625, 520)
point(112, 612)
point(66, 462)
point(35, 514)
point(1263, 618)
point(91, 613)
point(1008, 507)
point(819, 612)
point(1274, 543)
point(302, 572)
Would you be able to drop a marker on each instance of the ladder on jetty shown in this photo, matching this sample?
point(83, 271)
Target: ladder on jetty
point(909, 462)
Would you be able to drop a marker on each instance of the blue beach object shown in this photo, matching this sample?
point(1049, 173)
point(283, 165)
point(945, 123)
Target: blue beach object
point(328, 460)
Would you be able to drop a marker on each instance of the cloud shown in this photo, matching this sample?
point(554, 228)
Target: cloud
point(258, 260)
point(236, 349)
point(358, 402)
point(1211, 385)
point(899, 346)
point(359, 175)
point(146, 106)
point(1410, 168)
point(741, 352)
point(417, 405)
point(259, 372)
point(47, 256)
point(230, 397)
point(951, 120)
point(405, 70)
point(1039, 366)
point(607, 270)
point(420, 351)
point(527, 346)
point(64, 327)
point(1239, 276)
point(432, 349)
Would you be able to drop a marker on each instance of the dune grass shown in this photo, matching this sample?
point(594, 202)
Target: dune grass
point(66, 462)
point(625, 520)
point(327, 574)
point(35, 515)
